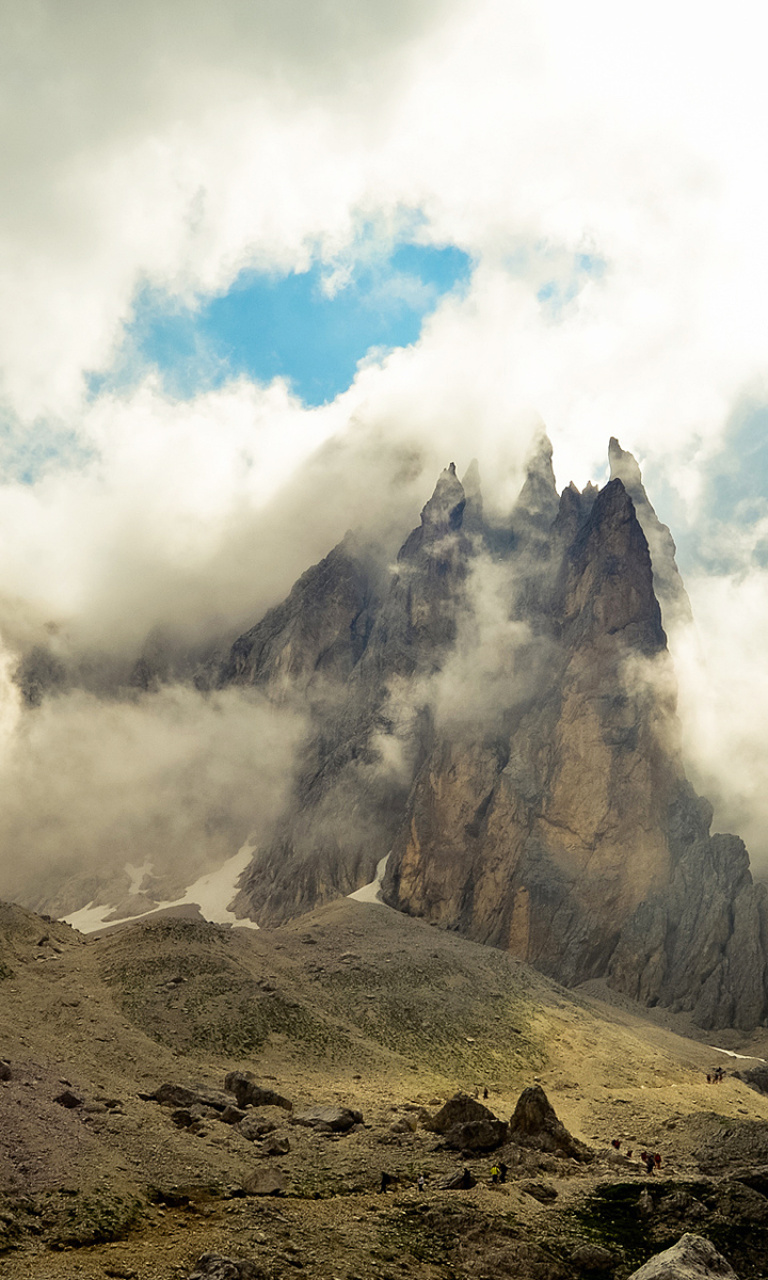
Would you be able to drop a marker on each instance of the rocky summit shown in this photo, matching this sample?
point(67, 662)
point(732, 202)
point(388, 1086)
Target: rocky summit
point(496, 716)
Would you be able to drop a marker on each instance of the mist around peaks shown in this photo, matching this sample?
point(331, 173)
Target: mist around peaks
point(174, 750)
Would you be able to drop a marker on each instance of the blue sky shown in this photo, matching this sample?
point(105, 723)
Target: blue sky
point(311, 328)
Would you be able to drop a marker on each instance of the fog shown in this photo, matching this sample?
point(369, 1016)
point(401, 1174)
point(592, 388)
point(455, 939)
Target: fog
point(596, 166)
point(170, 779)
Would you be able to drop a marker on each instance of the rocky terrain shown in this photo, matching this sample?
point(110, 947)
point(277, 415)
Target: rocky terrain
point(175, 1090)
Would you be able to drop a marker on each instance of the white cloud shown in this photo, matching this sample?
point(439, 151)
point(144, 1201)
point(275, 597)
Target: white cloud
point(177, 143)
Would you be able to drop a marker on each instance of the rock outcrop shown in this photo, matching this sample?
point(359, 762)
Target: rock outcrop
point(500, 718)
point(467, 1125)
point(535, 1124)
point(692, 1258)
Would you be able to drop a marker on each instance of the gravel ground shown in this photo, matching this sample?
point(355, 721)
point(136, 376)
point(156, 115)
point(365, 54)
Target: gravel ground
point(353, 1005)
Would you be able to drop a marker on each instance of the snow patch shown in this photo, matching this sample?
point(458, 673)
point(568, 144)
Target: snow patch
point(372, 892)
point(745, 1057)
point(212, 894)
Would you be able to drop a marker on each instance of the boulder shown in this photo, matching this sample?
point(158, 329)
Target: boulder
point(178, 1095)
point(331, 1119)
point(212, 1266)
point(692, 1258)
point(544, 1192)
point(461, 1181)
point(592, 1259)
point(250, 1094)
point(535, 1124)
point(232, 1115)
point(477, 1135)
point(276, 1147)
point(183, 1118)
point(68, 1099)
point(458, 1110)
point(255, 1127)
point(755, 1077)
point(5, 1071)
point(265, 1182)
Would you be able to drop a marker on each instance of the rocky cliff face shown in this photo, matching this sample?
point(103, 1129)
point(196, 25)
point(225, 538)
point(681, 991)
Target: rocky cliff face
point(499, 717)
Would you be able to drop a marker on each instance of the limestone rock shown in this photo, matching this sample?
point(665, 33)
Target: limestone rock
point(461, 1181)
point(755, 1077)
point(69, 1099)
point(535, 1124)
point(318, 633)
point(477, 1135)
point(544, 1192)
point(354, 774)
point(500, 718)
point(268, 1181)
point(330, 1118)
point(214, 1266)
point(255, 1127)
point(692, 1258)
point(250, 1094)
point(458, 1110)
point(668, 585)
point(592, 1259)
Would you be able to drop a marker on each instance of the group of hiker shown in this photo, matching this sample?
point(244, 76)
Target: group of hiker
point(716, 1076)
point(651, 1159)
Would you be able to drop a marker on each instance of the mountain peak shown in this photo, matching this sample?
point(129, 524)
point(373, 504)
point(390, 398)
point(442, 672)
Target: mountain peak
point(445, 509)
point(539, 499)
point(672, 596)
point(624, 466)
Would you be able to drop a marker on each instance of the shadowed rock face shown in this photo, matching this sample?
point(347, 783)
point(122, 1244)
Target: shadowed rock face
point(692, 1258)
point(535, 1124)
point(499, 716)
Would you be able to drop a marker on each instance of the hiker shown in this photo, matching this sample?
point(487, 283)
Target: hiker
point(657, 1160)
point(615, 1143)
point(485, 1093)
point(502, 1172)
point(386, 1179)
point(495, 1171)
point(650, 1163)
point(420, 1182)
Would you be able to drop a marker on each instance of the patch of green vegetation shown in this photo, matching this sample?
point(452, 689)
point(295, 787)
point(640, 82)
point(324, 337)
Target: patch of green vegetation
point(89, 1219)
point(10, 1230)
point(220, 1011)
point(427, 1233)
point(611, 1216)
point(446, 1018)
point(440, 1234)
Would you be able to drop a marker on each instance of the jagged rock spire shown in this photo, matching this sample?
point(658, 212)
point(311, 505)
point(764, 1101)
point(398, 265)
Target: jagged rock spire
point(441, 516)
point(539, 499)
point(473, 511)
point(444, 511)
point(673, 598)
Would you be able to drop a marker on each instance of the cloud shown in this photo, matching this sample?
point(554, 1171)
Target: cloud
point(723, 700)
point(171, 778)
point(599, 168)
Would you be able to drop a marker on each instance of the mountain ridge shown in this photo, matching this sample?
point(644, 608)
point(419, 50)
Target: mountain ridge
point(508, 734)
